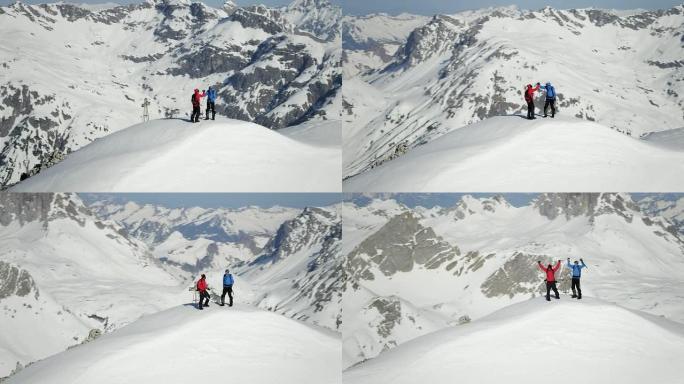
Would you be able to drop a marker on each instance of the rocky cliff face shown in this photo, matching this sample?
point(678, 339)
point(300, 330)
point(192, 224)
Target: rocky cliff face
point(302, 271)
point(15, 281)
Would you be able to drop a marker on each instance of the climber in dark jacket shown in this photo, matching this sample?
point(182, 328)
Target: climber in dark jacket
point(550, 98)
point(529, 98)
point(211, 103)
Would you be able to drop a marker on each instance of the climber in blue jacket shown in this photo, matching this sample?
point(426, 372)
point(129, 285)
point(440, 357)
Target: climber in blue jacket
point(227, 288)
point(576, 274)
point(211, 103)
point(550, 92)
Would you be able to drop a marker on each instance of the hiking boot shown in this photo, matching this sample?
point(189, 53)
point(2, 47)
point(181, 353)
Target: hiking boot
point(574, 296)
point(579, 297)
point(548, 299)
point(558, 297)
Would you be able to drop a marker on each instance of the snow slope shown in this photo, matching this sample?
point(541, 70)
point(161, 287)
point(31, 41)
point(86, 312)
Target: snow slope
point(509, 153)
point(174, 155)
point(184, 345)
point(565, 341)
point(76, 275)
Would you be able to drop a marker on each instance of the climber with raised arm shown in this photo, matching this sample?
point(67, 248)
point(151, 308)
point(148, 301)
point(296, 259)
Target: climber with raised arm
point(550, 92)
point(529, 98)
point(576, 274)
point(550, 278)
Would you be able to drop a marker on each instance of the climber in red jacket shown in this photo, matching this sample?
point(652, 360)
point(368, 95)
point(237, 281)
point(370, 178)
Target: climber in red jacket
point(529, 98)
point(202, 289)
point(550, 278)
point(196, 100)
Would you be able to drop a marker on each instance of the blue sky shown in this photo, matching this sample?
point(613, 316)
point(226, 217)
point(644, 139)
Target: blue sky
point(430, 7)
point(224, 200)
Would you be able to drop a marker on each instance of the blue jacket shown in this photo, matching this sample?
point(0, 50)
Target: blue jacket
point(227, 280)
point(550, 91)
point(211, 94)
point(576, 269)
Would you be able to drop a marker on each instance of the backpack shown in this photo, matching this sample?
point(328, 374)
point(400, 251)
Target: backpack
point(550, 92)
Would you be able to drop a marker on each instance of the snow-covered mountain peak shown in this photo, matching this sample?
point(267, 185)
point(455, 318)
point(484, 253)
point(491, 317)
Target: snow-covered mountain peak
point(570, 205)
point(469, 205)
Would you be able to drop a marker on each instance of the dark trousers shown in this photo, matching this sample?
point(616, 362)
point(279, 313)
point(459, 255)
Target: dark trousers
point(576, 284)
point(203, 295)
point(196, 112)
point(551, 285)
point(229, 290)
point(530, 109)
point(552, 103)
point(211, 106)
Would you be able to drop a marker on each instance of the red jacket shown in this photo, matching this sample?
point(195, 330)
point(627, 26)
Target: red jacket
point(202, 285)
point(197, 98)
point(550, 272)
point(529, 93)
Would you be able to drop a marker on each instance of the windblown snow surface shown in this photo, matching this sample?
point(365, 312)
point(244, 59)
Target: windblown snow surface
point(565, 341)
point(509, 153)
point(174, 155)
point(182, 345)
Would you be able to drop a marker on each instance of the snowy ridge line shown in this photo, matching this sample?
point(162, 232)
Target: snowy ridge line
point(171, 155)
point(523, 156)
point(296, 352)
point(541, 329)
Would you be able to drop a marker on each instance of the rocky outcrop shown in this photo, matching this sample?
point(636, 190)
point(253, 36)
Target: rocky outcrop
point(15, 281)
point(400, 246)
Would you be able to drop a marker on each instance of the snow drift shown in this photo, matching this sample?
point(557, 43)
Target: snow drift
point(509, 153)
point(184, 345)
point(173, 155)
point(533, 342)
